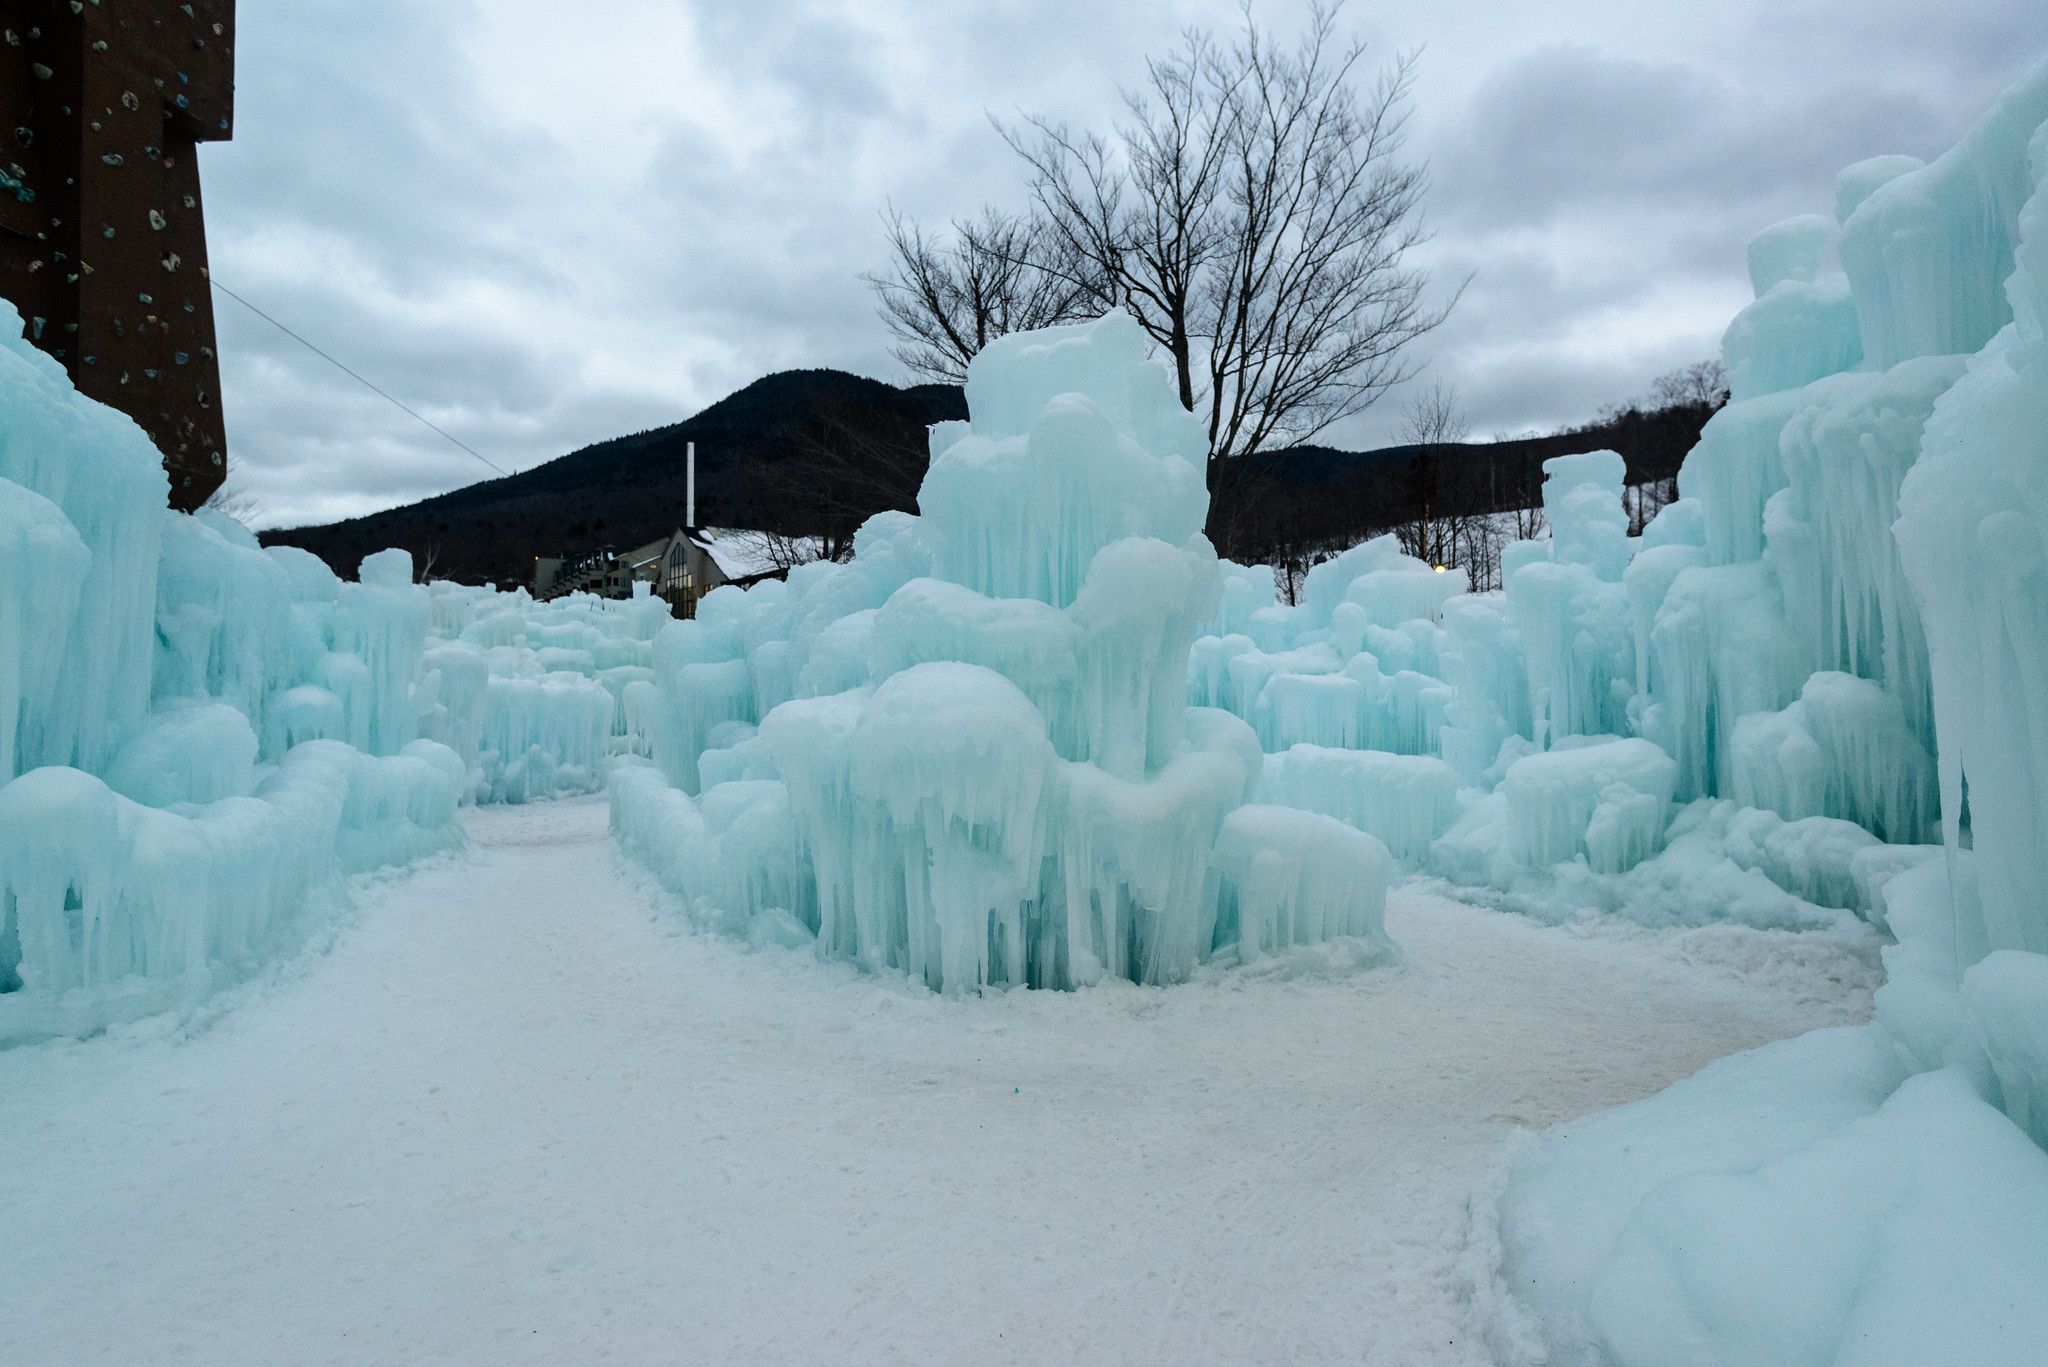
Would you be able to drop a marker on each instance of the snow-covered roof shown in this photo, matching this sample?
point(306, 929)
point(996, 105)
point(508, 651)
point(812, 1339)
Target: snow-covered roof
point(738, 554)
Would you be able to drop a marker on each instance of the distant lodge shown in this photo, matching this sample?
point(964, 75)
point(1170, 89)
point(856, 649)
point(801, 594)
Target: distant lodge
point(681, 567)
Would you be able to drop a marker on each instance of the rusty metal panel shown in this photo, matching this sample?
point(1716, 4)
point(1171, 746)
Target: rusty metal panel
point(102, 234)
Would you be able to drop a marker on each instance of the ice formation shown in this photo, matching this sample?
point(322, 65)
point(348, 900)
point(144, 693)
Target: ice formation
point(1847, 641)
point(197, 737)
point(1807, 696)
point(970, 754)
point(1039, 735)
point(200, 736)
point(535, 696)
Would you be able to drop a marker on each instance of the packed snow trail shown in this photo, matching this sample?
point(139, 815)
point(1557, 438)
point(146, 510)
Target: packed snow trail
point(511, 1114)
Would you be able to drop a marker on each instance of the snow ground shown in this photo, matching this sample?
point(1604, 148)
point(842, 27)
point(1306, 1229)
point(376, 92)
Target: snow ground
point(510, 1113)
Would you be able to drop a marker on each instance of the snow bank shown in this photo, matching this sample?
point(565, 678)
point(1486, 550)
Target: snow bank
point(1737, 1217)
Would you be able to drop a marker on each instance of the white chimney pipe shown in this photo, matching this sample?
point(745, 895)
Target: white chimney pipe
point(690, 486)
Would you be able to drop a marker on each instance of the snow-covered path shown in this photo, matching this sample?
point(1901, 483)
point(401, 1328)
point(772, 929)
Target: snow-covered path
point(513, 1115)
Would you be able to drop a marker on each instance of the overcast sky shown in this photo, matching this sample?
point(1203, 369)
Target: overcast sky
point(542, 225)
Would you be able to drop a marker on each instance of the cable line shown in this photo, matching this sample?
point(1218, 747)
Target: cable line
point(346, 371)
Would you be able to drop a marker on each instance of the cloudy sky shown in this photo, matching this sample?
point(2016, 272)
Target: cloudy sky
point(542, 224)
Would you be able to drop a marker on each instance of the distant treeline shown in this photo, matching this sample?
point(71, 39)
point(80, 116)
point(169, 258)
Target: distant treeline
point(1448, 502)
point(815, 453)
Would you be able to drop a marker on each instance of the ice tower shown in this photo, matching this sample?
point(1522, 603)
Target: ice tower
point(969, 753)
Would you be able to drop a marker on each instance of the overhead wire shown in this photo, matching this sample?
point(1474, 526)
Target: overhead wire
point(215, 279)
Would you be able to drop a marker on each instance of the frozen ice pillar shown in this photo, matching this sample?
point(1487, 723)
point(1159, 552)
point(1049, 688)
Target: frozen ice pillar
point(1075, 442)
point(975, 760)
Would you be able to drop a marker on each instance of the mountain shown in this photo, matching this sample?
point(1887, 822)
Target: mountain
point(630, 490)
point(818, 451)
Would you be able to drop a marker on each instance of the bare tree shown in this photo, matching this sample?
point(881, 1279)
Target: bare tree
point(1689, 396)
point(1253, 214)
point(1433, 424)
point(237, 502)
point(1703, 384)
point(843, 468)
point(945, 301)
point(783, 552)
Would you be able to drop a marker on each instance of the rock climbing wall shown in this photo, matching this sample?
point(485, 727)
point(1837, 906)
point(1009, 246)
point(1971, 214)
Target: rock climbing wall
point(102, 241)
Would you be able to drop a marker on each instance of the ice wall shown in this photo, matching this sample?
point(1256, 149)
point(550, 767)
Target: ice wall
point(83, 518)
point(1356, 665)
point(177, 803)
point(1803, 324)
point(1972, 527)
point(1876, 1194)
point(1928, 252)
point(536, 697)
point(969, 753)
point(1826, 654)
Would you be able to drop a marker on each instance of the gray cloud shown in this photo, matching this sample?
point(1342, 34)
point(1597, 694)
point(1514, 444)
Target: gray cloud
point(541, 232)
